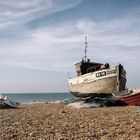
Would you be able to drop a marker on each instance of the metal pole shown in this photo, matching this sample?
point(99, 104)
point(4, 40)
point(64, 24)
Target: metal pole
point(86, 45)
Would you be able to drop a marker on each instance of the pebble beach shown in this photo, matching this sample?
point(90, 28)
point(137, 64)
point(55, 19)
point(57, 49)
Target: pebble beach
point(57, 121)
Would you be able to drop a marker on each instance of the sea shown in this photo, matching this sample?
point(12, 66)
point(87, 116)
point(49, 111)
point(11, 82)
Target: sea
point(28, 98)
point(66, 98)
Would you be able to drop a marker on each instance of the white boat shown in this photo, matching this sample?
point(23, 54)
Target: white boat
point(6, 102)
point(96, 79)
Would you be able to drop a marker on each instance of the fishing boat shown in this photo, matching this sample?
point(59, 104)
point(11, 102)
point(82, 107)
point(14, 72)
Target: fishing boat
point(96, 79)
point(129, 97)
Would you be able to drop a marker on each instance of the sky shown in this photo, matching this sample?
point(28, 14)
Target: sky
point(41, 40)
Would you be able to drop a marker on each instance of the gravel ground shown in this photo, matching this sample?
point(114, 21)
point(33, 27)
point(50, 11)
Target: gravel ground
point(62, 122)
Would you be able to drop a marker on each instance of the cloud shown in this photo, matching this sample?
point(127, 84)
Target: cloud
point(18, 11)
point(59, 46)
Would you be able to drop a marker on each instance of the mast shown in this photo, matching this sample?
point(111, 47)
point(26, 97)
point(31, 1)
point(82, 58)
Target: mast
point(86, 45)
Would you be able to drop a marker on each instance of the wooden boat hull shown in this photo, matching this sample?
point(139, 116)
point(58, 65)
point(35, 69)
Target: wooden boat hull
point(102, 87)
point(93, 95)
point(100, 83)
point(133, 99)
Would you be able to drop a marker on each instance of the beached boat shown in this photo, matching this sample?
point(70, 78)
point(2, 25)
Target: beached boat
point(96, 79)
point(6, 102)
point(129, 97)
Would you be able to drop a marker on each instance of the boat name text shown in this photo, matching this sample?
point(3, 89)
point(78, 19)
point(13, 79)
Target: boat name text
point(100, 74)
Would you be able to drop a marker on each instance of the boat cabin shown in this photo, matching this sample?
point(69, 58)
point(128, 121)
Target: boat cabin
point(84, 67)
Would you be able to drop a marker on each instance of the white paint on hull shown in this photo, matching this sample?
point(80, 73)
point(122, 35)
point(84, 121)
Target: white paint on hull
point(91, 83)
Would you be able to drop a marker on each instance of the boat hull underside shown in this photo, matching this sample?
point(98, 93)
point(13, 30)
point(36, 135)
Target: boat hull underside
point(99, 88)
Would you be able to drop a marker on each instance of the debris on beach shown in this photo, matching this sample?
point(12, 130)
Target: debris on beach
point(137, 111)
point(96, 102)
point(6, 102)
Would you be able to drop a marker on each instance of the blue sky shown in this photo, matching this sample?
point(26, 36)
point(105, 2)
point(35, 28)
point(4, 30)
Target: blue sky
point(41, 40)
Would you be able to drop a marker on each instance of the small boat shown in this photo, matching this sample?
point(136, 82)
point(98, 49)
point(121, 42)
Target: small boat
point(129, 97)
point(6, 102)
point(96, 79)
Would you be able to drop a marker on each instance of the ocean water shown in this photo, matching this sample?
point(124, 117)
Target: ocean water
point(67, 98)
point(40, 97)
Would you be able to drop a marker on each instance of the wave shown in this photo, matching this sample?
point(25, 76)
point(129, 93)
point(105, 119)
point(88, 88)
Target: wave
point(33, 103)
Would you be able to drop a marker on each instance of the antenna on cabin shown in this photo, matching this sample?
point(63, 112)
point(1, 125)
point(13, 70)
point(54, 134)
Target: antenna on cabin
point(86, 45)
